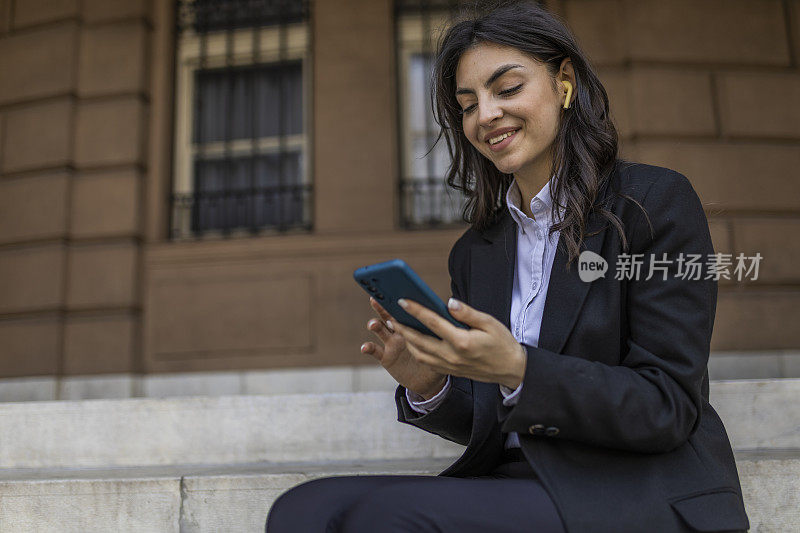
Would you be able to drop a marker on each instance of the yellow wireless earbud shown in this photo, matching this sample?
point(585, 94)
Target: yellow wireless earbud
point(568, 85)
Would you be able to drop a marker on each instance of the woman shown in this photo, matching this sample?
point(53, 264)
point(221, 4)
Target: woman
point(582, 400)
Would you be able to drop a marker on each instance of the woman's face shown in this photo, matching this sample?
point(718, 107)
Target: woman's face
point(522, 98)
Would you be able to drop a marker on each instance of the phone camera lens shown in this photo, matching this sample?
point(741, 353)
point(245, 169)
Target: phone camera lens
point(379, 296)
point(364, 282)
point(372, 289)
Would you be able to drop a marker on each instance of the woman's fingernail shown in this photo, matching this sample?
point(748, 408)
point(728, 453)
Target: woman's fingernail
point(453, 304)
point(364, 348)
point(402, 303)
point(390, 325)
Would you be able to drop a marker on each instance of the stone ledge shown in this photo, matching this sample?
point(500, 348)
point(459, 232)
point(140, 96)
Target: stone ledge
point(237, 497)
point(166, 499)
point(228, 429)
point(723, 365)
point(771, 490)
point(758, 414)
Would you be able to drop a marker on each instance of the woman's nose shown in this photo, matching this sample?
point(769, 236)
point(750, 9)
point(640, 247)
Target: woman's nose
point(488, 112)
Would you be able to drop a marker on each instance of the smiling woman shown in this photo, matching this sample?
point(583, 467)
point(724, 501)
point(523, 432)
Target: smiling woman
point(583, 404)
point(513, 117)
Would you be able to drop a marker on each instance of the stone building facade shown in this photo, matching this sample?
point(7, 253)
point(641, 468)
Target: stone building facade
point(92, 282)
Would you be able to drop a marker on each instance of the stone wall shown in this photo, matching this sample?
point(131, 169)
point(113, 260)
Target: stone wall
point(74, 98)
point(712, 89)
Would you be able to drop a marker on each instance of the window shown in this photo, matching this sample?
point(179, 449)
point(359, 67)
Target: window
point(241, 161)
point(425, 198)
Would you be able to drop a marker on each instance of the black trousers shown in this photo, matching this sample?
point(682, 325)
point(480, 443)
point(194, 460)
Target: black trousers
point(510, 499)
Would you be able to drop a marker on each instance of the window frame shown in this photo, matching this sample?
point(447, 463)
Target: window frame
point(411, 39)
point(232, 48)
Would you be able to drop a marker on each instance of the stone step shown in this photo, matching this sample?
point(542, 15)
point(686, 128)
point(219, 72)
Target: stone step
point(213, 498)
point(219, 430)
point(758, 414)
point(190, 499)
point(771, 489)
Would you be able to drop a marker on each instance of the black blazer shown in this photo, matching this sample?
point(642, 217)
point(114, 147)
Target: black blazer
point(614, 414)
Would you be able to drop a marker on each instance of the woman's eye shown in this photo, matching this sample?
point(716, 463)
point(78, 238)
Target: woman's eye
point(512, 90)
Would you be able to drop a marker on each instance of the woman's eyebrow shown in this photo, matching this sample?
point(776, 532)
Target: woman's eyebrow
point(496, 74)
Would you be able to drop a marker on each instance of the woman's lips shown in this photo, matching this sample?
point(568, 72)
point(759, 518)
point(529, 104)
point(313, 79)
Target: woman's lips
point(502, 144)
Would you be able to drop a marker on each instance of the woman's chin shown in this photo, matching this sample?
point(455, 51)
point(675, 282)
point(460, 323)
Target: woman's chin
point(506, 167)
point(506, 163)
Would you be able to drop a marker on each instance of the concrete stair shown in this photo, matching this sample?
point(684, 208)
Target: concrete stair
point(217, 464)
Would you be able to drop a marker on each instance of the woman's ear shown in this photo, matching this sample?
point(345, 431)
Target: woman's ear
point(566, 73)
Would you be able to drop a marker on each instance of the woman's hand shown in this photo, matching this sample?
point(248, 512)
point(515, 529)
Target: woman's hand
point(488, 352)
point(397, 360)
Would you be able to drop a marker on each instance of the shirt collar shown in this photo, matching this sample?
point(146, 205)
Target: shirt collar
point(540, 204)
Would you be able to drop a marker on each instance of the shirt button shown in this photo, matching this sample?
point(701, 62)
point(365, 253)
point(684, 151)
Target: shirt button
point(552, 431)
point(536, 429)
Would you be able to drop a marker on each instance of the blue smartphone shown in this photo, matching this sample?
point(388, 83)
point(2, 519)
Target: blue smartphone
point(389, 281)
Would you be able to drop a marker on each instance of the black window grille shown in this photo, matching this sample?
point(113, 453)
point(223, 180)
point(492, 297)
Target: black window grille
point(241, 141)
point(425, 199)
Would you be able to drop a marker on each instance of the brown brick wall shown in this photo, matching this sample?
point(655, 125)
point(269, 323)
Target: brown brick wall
point(712, 89)
point(794, 26)
point(102, 275)
point(73, 113)
point(31, 278)
point(38, 62)
point(776, 239)
point(106, 203)
point(5, 16)
point(38, 135)
point(735, 32)
point(100, 11)
point(31, 345)
point(733, 176)
point(759, 104)
point(104, 343)
point(756, 319)
point(601, 27)
point(112, 58)
point(354, 116)
point(671, 101)
point(34, 207)
point(2, 138)
point(90, 284)
point(32, 12)
point(110, 132)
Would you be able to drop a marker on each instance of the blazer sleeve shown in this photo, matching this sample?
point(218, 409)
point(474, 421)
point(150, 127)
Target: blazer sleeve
point(451, 419)
point(651, 401)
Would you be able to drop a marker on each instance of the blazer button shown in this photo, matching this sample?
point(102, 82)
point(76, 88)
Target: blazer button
point(536, 429)
point(552, 431)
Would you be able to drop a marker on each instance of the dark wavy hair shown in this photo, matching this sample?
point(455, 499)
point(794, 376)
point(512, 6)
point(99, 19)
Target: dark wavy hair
point(585, 148)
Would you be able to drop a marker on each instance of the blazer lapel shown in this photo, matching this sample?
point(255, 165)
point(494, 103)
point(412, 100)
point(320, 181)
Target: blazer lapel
point(566, 292)
point(492, 270)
